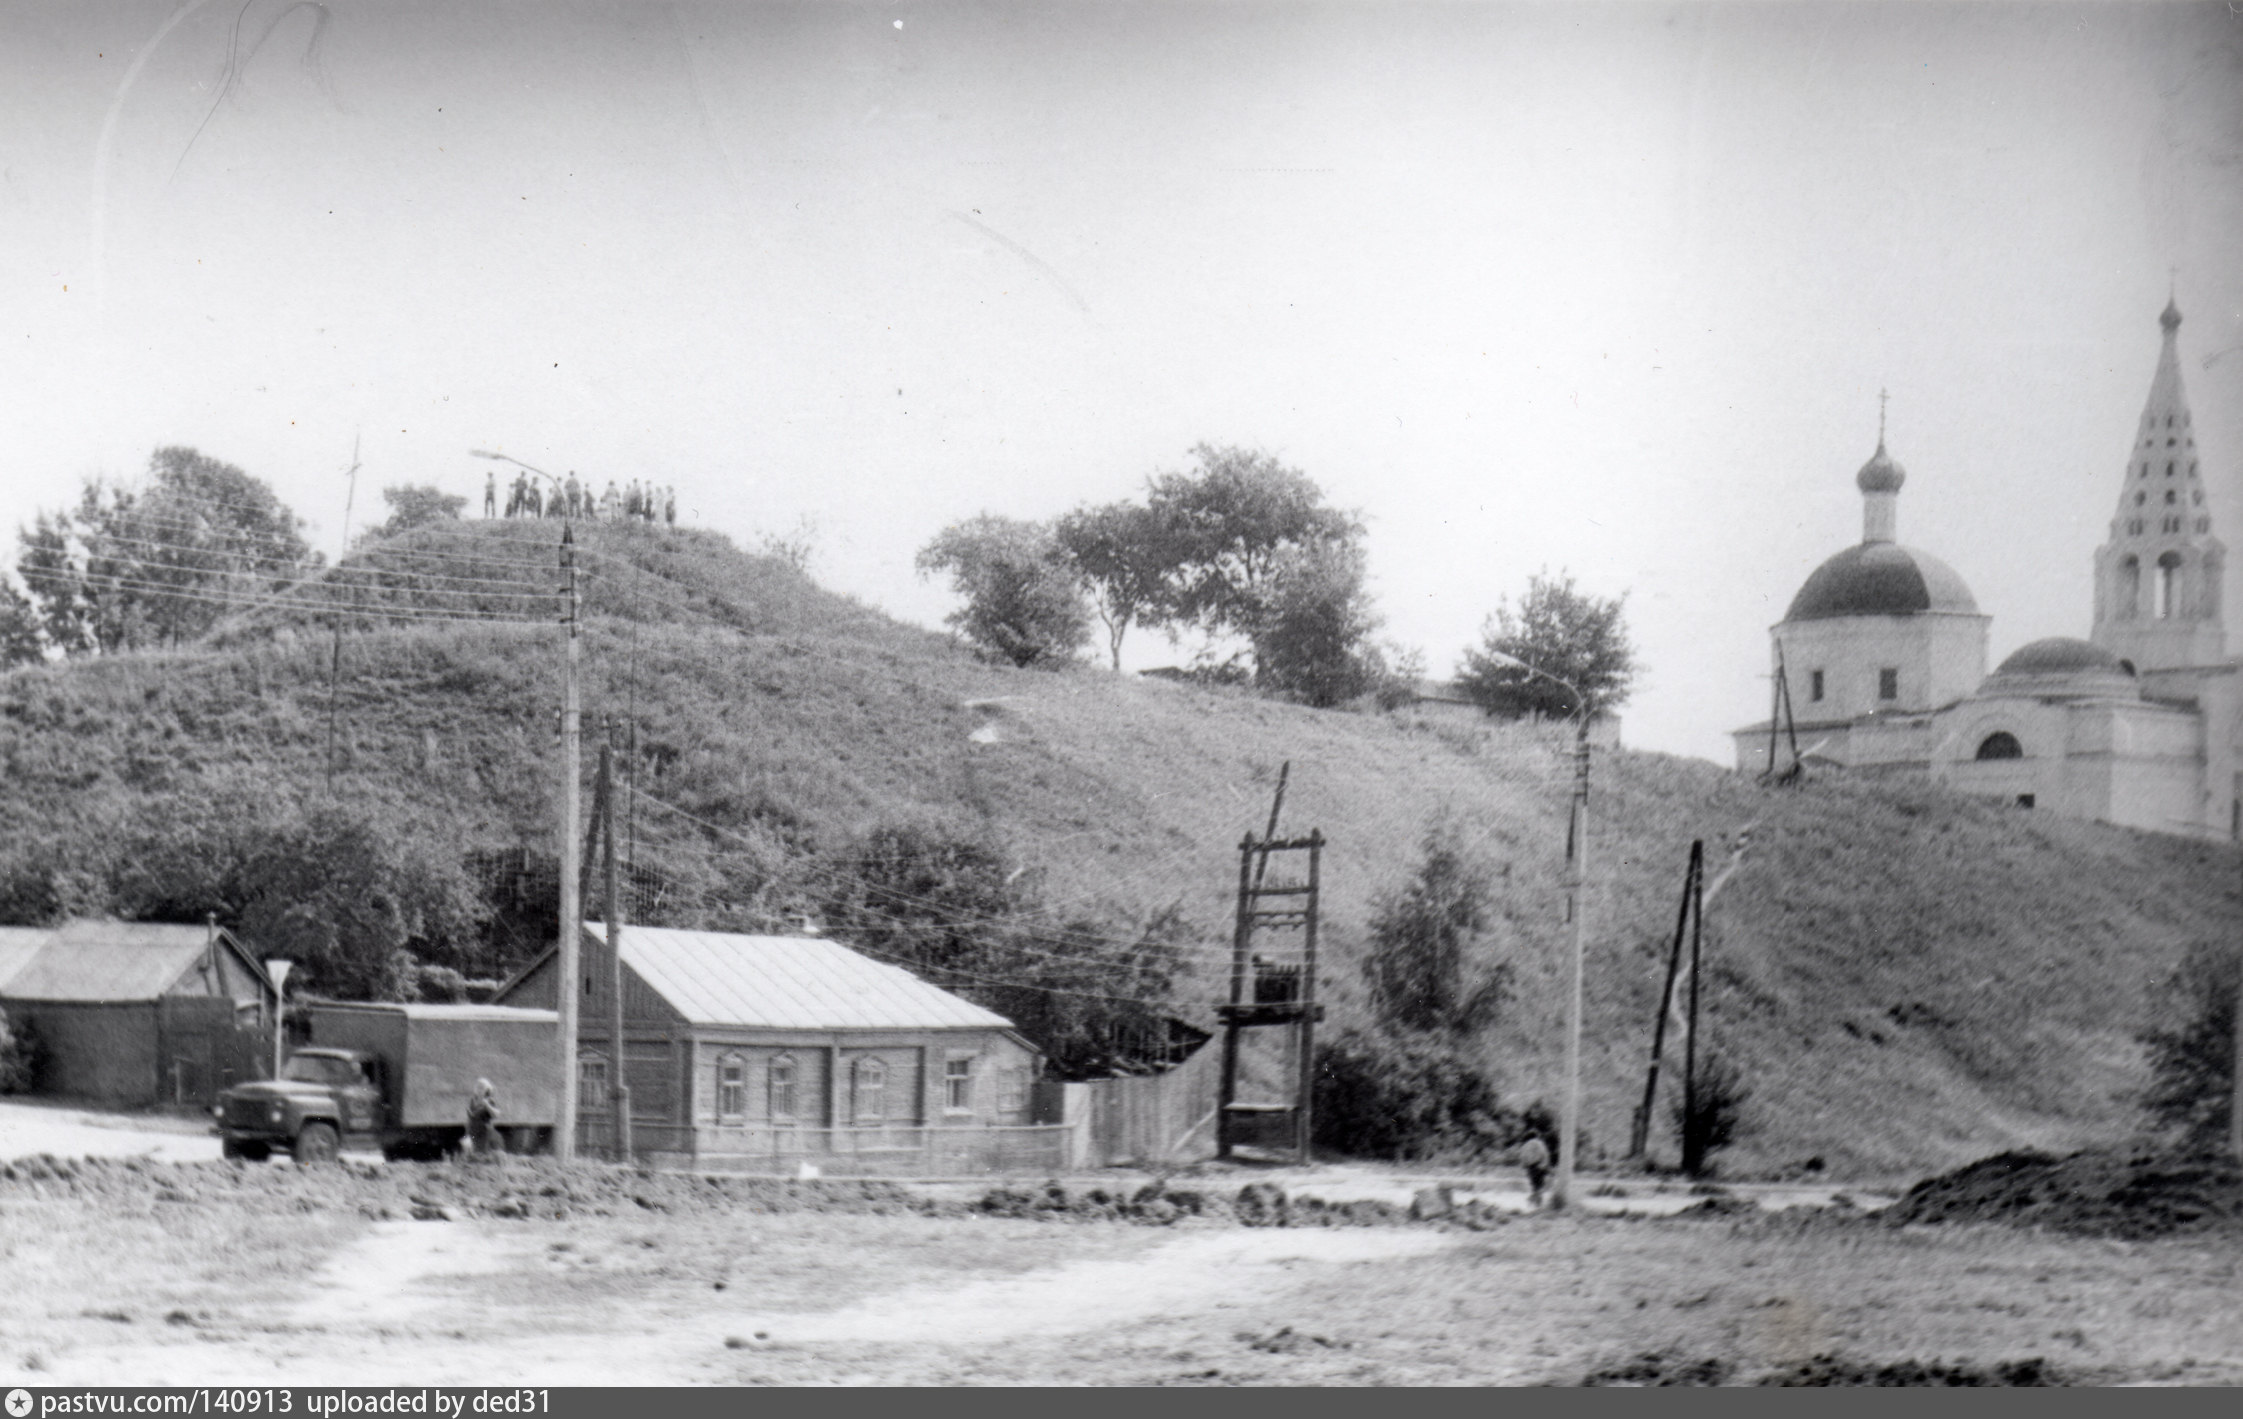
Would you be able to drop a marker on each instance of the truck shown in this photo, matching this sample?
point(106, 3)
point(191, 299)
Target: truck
point(398, 1077)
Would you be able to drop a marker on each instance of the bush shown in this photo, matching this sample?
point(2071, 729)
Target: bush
point(2192, 1062)
point(1409, 1097)
point(19, 1056)
point(1712, 1116)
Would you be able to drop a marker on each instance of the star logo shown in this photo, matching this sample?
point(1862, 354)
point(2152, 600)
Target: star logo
point(19, 1403)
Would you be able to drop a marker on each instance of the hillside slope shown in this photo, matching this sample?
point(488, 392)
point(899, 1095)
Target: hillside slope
point(1912, 979)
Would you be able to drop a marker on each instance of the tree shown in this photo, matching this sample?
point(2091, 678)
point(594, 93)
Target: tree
point(2192, 1059)
point(1313, 639)
point(1022, 602)
point(418, 506)
point(1234, 521)
point(1125, 554)
point(20, 640)
point(158, 564)
point(1420, 933)
point(1564, 633)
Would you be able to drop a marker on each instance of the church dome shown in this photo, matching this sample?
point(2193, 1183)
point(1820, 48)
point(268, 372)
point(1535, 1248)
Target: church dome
point(2061, 668)
point(1880, 474)
point(2060, 655)
point(1881, 579)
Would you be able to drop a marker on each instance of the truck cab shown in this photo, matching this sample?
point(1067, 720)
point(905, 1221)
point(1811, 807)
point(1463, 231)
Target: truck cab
point(322, 1098)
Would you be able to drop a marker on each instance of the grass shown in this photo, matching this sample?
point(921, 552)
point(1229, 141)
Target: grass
point(1910, 978)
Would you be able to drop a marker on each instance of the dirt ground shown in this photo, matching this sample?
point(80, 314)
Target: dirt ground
point(143, 1271)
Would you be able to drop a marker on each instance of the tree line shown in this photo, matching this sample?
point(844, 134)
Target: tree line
point(1247, 553)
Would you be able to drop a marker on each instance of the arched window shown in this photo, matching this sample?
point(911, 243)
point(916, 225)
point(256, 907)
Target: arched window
point(868, 1091)
point(2001, 744)
point(2168, 585)
point(732, 1087)
point(781, 1083)
point(2127, 597)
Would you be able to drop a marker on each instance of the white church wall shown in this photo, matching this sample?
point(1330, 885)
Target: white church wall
point(1940, 658)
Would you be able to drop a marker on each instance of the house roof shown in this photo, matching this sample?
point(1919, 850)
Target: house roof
point(101, 961)
point(18, 944)
point(788, 982)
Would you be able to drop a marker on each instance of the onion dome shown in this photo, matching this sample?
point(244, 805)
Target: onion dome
point(2171, 319)
point(2058, 654)
point(1881, 579)
point(1880, 474)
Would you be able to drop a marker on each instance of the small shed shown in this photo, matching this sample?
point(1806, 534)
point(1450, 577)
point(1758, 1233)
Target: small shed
point(772, 1053)
point(134, 1014)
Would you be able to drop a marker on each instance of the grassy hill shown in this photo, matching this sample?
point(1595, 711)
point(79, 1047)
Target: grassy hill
point(1911, 978)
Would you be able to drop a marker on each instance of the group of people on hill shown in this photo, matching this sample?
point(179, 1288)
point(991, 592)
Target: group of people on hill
point(526, 498)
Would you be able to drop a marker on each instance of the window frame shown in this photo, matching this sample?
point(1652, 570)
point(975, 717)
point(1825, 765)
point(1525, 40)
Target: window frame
point(1888, 682)
point(781, 1079)
point(958, 1084)
point(732, 1085)
point(1814, 686)
point(868, 1084)
point(591, 1063)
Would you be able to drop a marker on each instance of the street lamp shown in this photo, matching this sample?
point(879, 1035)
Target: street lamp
point(277, 969)
point(1576, 883)
point(567, 965)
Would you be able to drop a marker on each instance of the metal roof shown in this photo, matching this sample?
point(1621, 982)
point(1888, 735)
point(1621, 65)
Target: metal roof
point(102, 961)
point(415, 1010)
point(18, 944)
point(788, 983)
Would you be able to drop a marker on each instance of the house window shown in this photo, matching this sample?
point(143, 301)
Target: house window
point(2001, 745)
point(732, 1087)
point(591, 1079)
point(1888, 684)
point(1814, 684)
point(958, 1084)
point(868, 1091)
point(782, 1089)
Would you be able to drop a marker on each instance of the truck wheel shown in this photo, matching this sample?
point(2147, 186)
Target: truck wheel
point(316, 1144)
point(246, 1150)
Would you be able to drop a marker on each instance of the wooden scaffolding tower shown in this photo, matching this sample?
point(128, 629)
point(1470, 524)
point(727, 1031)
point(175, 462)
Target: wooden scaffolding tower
point(1277, 992)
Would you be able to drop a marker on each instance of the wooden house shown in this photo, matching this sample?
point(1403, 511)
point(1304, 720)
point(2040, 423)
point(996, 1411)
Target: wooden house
point(786, 1054)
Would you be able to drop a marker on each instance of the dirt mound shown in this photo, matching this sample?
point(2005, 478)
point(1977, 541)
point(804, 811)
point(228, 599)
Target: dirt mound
point(516, 1187)
point(2094, 1193)
point(1661, 1369)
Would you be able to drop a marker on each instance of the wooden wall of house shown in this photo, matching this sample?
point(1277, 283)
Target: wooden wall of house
point(104, 1053)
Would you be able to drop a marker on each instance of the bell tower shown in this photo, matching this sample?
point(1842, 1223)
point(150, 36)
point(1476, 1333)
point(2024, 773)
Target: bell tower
point(2158, 576)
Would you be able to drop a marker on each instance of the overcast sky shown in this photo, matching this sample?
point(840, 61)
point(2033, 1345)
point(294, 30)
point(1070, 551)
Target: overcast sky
point(1609, 289)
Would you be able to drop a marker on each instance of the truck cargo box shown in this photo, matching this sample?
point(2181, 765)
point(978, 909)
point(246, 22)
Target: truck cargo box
point(433, 1054)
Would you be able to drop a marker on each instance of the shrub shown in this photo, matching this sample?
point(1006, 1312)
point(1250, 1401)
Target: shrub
point(19, 1056)
point(1712, 1116)
point(1407, 1097)
point(2192, 1062)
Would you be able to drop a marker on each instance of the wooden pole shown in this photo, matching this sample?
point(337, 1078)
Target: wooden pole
point(2235, 1101)
point(1693, 1156)
point(1577, 876)
point(1305, 1105)
point(1640, 1143)
point(568, 962)
point(619, 1091)
point(1239, 934)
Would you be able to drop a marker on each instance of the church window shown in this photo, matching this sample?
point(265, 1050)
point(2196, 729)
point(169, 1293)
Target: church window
point(2129, 588)
point(2024, 800)
point(2140, 498)
point(2168, 421)
point(1814, 684)
point(2204, 524)
point(2168, 469)
point(2168, 585)
point(2197, 497)
point(2171, 496)
point(1888, 684)
point(2001, 744)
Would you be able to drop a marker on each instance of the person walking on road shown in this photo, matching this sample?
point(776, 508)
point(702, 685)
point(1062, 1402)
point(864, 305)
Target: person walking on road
point(1534, 1156)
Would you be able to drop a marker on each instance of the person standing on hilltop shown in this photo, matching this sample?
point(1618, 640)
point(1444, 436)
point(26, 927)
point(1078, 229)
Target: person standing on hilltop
point(490, 494)
point(670, 506)
point(571, 495)
point(611, 502)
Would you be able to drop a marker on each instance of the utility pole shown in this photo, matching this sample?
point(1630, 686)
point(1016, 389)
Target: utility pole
point(570, 951)
point(619, 1092)
point(2235, 1101)
point(1576, 894)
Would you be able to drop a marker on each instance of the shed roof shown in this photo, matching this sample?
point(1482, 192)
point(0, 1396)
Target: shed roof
point(788, 983)
point(18, 944)
point(105, 961)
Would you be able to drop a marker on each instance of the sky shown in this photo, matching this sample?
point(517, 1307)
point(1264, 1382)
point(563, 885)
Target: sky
point(1607, 290)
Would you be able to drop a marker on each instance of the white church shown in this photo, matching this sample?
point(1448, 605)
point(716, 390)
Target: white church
point(1883, 654)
